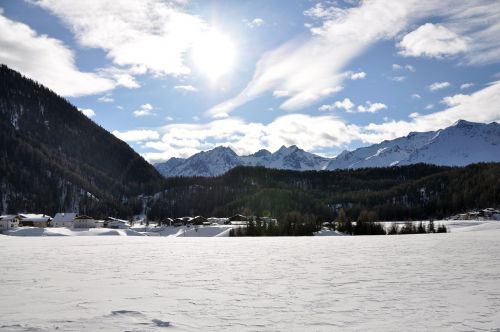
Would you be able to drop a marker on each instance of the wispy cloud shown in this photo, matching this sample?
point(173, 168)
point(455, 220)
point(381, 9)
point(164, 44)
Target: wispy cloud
point(358, 76)
point(345, 104)
point(312, 68)
point(466, 86)
point(105, 99)
point(136, 135)
point(255, 23)
point(438, 86)
point(371, 107)
point(188, 88)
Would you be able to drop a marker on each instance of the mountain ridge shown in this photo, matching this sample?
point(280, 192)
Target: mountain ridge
point(54, 159)
point(479, 142)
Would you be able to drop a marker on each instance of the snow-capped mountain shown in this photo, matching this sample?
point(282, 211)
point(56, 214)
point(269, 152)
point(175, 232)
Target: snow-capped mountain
point(222, 159)
point(460, 144)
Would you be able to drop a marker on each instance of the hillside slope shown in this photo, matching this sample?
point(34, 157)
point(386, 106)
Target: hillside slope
point(53, 158)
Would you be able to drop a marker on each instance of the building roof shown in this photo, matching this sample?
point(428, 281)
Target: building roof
point(34, 217)
point(64, 217)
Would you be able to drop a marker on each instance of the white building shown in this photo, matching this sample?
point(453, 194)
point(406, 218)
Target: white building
point(35, 220)
point(86, 222)
point(64, 220)
point(9, 221)
point(117, 223)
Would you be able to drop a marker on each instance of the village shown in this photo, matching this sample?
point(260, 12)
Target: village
point(32, 223)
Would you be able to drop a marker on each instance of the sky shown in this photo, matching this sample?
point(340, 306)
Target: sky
point(172, 78)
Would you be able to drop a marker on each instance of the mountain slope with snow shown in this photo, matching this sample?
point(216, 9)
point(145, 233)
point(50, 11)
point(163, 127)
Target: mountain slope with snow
point(460, 144)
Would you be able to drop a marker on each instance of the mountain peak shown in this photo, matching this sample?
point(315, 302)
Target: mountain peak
point(464, 123)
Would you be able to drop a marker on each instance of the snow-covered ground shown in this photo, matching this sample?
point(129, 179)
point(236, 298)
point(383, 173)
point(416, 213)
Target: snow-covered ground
point(192, 231)
point(428, 282)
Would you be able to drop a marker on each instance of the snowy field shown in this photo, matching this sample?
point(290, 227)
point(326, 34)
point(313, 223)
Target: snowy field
point(424, 282)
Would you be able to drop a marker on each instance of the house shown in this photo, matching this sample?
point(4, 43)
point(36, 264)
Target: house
point(84, 221)
point(9, 221)
point(64, 220)
point(178, 222)
point(115, 223)
point(238, 217)
point(34, 220)
point(220, 221)
point(166, 222)
point(199, 220)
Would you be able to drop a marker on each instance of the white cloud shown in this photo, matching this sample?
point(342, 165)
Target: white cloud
point(466, 86)
point(313, 68)
point(148, 35)
point(255, 23)
point(414, 115)
point(371, 107)
point(415, 96)
point(454, 100)
point(46, 60)
point(410, 68)
point(433, 41)
point(463, 107)
point(144, 110)
point(89, 113)
point(308, 132)
point(307, 66)
point(323, 11)
point(188, 88)
point(169, 118)
point(398, 78)
point(136, 135)
point(105, 99)
point(358, 76)
point(439, 86)
point(429, 106)
point(345, 104)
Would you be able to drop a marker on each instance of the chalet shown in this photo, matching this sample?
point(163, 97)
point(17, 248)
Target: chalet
point(34, 220)
point(9, 221)
point(64, 220)
point(220, 221)
point(115, 223)
point(178, 222)
point(238, 217)
point(199, 220)
point(86, 222)
point(166, 222)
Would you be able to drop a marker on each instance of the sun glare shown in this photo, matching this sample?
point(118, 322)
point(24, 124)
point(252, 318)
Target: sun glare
point(213, 54)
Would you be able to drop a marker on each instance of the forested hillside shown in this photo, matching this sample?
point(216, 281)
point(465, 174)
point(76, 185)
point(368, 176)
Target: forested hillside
point(53, 158)
point(393, 193)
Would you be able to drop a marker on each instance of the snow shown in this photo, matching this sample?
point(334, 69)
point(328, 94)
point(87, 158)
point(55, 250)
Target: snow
point(434, 282)
point(460, 144)
point(63, 231)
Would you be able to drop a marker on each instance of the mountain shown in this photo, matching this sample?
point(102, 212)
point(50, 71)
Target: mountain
point(461, 144)
point(221, 159)
point(53, 158)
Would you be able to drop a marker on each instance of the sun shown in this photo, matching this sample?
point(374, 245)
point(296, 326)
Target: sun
point(213, 54)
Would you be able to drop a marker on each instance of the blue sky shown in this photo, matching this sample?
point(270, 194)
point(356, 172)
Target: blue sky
point(172, 78)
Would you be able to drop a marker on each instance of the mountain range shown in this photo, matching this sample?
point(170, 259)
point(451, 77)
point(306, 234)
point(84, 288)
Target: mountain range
point(461, 144)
